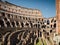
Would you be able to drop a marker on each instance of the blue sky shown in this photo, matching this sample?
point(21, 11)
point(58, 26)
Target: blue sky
point(47, 7)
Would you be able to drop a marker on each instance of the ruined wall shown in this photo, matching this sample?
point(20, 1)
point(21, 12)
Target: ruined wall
point(58, 15)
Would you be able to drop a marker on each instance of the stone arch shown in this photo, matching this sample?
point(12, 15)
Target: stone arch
point(8, 15)
point(12, 39)
point(54, 25)
point(22, 24)
point(2, 23)
point(13, 24)
point(38, 25)
point(17, 23)
point(43, 26)
point(48, 22)
point(3, 14)
point(35, 25)
point(31, 24)
point(40, 34)
point(51, 31)
point(5, 19)
point(27, 24)
point(19, 35)
point(8, 24)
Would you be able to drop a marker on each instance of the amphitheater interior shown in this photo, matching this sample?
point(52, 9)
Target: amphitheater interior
point(20, 29)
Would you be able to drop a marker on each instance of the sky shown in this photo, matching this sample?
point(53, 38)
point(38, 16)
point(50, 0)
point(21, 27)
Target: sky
point(47, 7)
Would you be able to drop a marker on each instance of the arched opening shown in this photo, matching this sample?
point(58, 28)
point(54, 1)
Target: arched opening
point(51, 26)
point(5, 19)
point(47, 33)
point(55, 25)
point(50, 31)
point(44, 30)
point(40, 34)
point(13, 24)
point(3, 14)
point(22, 24)
point(8, 24)
point(1, 23)
point(24, 18)
point(38, 25)
point(54, 20)
point(48, 22)
point(43, 26)
point(27, 24)
point(17, 23)
point(35, 25)
point(8, 15)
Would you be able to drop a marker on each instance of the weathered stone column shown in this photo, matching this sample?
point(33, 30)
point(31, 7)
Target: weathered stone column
point(58, 16)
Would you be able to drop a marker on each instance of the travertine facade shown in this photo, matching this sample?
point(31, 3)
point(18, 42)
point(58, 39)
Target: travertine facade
point(18, 9)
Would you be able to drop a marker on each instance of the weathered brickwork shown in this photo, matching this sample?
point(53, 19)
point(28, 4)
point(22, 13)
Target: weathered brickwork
point(58, 15)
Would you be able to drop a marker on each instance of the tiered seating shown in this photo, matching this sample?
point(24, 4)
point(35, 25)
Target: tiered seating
point(29, 36)
point(13, 37)
point(30, 39)
point(25, 34)
point(5, 40)
point(24, 37)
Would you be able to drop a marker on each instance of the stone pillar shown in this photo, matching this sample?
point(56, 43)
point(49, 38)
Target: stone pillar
point(4, 23)
point(15, 23)
point(58, 16)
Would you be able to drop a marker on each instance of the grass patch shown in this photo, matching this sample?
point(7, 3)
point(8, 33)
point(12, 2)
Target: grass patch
point(39, 43)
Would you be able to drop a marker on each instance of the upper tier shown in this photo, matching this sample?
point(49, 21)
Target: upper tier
point(18, 9)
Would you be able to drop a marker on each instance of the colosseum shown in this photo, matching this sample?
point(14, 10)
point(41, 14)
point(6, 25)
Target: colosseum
point(25, 26)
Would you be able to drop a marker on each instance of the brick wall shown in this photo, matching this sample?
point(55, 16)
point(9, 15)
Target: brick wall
point(58, 15)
